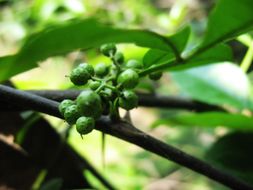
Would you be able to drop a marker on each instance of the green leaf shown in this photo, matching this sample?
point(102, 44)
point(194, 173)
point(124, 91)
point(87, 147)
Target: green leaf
point(180, 39)
point(217, 54)
point(7, 67)
point(223, 83)
point(229, 19)
point(209, 119)
point(233, 153)
point(75, 35)
point(164, 61)
point(156, 56)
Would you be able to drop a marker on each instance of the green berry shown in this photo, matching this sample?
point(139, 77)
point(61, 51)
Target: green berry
point(129, 100)
point(79, 76)
point(134, 64)
point(155, 75)
point(107, 93)
point(89, 68)
point(119, 58)
point(64, 104)
point(89, 104)
point(94, 85)
point(108, 49)
point(71, 114)
point(128, 78)
point(101, 69)
point(85, 125)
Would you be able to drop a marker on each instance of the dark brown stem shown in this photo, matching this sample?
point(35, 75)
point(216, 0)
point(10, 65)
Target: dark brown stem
point(146, 100)
point(127, 132)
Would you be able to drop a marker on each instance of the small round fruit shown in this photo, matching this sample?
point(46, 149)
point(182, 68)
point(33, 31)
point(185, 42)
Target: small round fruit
point(79, 76)
point(101, 69)
point(64, 104)
point(108, 49)
point(71, 114)
point(134, 64)
point(89, 104)
point(129, 100)
point(119, 58)
point(128, 78)
point(88, 67)
point(94, 85)
point(155, 75)
point(107, 93)
point(85, 125)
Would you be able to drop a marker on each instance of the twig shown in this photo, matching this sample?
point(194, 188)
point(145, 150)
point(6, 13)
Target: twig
point(146, 100)
point(129, 133)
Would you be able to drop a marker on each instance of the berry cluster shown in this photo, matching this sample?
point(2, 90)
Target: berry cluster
point(109, 87)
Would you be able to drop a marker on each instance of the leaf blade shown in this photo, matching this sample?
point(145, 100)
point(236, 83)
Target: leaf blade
point(209, 119)
point(212, 85)
point(81, 34)
point(157, 56)
point(217, 54)
point(226, 22)
point(233, 153)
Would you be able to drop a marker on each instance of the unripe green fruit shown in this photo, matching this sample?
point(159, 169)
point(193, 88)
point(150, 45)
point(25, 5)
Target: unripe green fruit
point(134, 64)
point(155, 75)
point(79, 76)
point(89, 104)
point(94, 85)
point(71, 114)
point(89, 68)
point(85, 125)
point(128, 79)
point(108, 49)
point(107, 93)
point(64, 104)
point(119, 58)
point(101, 69)
point(129, 100)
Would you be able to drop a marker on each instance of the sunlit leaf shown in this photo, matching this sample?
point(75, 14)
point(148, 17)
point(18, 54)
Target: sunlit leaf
point(224, 84)
point(217, 54)
point(209, 119)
